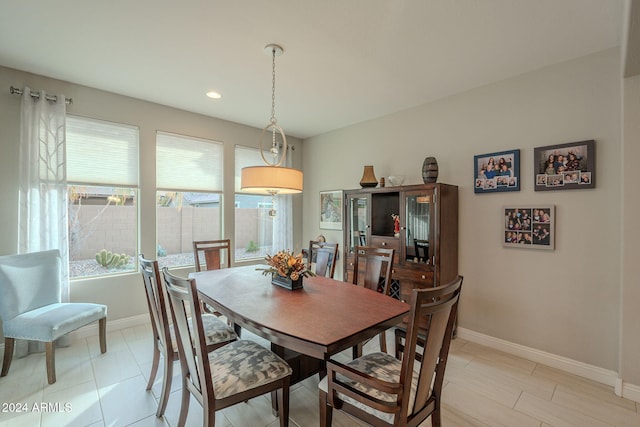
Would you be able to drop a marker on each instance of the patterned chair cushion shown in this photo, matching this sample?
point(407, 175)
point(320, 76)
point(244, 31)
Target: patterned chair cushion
point(215, 331)
point(243, 365)
point(379, 365)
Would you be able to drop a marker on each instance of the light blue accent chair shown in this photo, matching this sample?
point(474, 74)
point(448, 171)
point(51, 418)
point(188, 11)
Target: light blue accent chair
point(31, 307)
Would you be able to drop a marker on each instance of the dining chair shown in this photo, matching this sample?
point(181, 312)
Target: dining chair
point(217, 333)
point(324, 256)
point(229, 375)
point(383, 390)
point(372, 269)
point(31, 306)
point(212, 254)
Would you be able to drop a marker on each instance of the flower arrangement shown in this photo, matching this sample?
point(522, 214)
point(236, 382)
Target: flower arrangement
point(287, 264)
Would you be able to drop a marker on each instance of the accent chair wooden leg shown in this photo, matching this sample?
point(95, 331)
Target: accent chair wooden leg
point(51, 362)
point(102, 326)
point(8, 355)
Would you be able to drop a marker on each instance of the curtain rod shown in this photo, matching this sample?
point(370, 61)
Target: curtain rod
point(16, 91)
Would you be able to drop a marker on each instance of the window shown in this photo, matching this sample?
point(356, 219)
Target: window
point(253, 224)
point(102, 177)
point(188, 198)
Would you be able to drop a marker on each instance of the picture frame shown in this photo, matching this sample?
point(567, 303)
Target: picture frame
point(496, 172)
point(331, 209)
point(529, 227)
point(570, 166)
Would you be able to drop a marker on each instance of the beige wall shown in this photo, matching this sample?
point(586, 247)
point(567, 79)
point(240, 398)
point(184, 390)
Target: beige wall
point(630, 338)
point(123, 294)
point(565, 302)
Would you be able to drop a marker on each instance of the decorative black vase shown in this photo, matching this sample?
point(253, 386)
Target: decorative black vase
point(286, 282)
point(430, 170)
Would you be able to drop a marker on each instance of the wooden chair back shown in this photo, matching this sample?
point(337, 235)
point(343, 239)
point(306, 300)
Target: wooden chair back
point(437, 308)
point(324, 256)
point(184, 305)
point(212, 254)
point(158, 310)
point(372, 268)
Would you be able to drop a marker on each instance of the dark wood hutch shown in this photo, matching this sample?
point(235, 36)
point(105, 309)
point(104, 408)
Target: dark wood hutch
point(426, 246)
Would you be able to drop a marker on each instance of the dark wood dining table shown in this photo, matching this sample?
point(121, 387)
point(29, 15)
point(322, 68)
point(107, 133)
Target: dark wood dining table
point(323, 318)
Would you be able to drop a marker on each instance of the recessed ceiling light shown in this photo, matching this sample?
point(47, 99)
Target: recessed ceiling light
point(213, 94)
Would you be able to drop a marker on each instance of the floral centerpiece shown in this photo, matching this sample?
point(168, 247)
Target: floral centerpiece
point(287, 269)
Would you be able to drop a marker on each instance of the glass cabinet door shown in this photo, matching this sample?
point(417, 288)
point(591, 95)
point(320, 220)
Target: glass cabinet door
point(418, 226)
point(358, 220)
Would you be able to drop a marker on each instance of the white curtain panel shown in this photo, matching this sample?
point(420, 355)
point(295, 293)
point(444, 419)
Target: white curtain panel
point(43, 185)
point(283, 221)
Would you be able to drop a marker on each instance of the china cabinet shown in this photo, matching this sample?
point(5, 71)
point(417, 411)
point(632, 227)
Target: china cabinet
point(424, 237)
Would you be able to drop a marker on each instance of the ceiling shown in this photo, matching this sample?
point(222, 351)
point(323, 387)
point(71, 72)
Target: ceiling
point(345, 61)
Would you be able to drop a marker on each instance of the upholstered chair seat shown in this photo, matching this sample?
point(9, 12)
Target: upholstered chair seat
point(215, 331)
point(244, 365)
point(52, 321)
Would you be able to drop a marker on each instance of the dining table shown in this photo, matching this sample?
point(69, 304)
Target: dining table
point(324, 317)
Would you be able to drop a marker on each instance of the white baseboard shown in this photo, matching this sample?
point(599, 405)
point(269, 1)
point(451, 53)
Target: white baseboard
point(585, 370)
point(631, 392)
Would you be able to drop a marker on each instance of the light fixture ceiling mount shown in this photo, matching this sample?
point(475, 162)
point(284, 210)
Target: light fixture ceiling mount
point(274, 178)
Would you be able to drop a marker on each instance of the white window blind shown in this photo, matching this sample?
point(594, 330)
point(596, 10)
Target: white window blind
point(100, 152)
point(186, 163)
point(245, 157)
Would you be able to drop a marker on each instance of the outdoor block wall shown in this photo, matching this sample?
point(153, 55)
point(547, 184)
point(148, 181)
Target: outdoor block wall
point(93, 228)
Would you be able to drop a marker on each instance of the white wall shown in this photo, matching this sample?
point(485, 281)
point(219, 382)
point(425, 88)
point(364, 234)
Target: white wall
point(565, 302)
point(123, 294)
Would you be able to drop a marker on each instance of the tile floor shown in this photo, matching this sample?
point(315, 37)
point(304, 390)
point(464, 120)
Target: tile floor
point(483, 387)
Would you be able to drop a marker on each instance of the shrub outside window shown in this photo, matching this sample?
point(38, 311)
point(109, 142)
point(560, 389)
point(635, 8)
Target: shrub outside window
point(102, 177)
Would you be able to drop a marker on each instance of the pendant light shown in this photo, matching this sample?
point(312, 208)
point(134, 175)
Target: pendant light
point(273, 178)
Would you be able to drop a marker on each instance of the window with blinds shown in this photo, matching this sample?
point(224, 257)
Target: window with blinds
point(102, 176)
point(189, 181)
point(253, 224)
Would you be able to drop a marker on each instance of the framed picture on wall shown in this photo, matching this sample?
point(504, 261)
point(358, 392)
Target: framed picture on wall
point(569, 166)
point(531, 227)
point(331, 210)
point(495, 172)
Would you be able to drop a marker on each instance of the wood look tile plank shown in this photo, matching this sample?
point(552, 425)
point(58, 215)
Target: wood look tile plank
point(554, 414)
point(510, 377)
point(483, 384)
point(583, 386)
point(595, 407)
point(483, 409)
point(496, 357)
